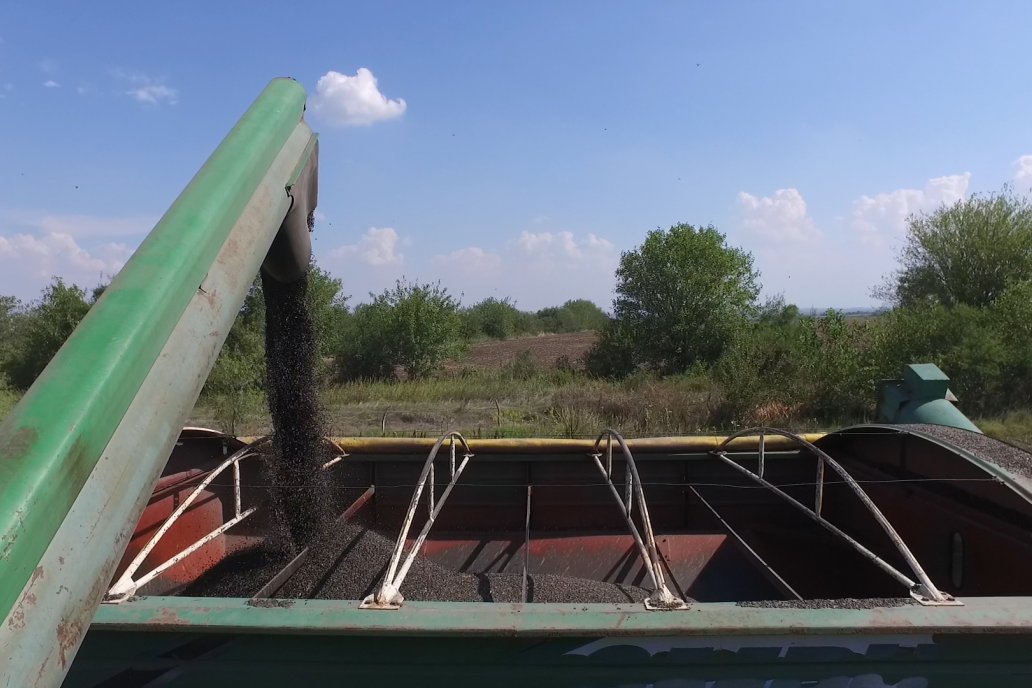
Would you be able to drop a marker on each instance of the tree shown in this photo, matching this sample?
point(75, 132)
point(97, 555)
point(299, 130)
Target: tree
point(40, 332)
point(578, 315)
point(412, 326)
point(964, 254)
point(495, 318)
point(575, 315)
point(680, 297)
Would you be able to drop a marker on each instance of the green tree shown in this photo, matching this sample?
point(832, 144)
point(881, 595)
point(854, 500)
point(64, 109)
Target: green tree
point(681, 296)
point(964, 254)
point(41, 330)
point(413, 326)
point(578, 315)
point(495, 318)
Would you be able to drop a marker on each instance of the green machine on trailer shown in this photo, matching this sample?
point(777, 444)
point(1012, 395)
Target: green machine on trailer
point(135, 552)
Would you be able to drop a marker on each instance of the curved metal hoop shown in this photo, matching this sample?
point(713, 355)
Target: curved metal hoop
point(923, 590)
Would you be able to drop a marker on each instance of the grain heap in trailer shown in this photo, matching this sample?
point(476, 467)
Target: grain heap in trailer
point(139, 553)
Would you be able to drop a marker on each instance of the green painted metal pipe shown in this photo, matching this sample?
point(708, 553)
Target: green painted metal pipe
point(53, 439)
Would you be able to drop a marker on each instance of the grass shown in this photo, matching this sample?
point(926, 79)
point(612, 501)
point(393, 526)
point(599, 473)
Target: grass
point(515, 402)
point(1014, 427)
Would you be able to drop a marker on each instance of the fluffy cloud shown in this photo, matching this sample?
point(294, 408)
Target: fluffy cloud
point(28, 262)
point(353, 100)
point(549, 247)
point(888, 212)
point(378, 247)
point(782, 217)
point(1023, 173)
point(50, 83)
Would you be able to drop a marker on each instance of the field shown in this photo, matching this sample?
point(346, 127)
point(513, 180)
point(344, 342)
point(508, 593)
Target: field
point(529, 386)
point(546, 349)
point(498, 390)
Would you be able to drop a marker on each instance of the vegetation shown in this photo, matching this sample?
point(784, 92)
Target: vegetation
point(681, 296)
point(965, 254)
point(500, 319)
point(32, 335)
point(688, 347)
point(411, 326)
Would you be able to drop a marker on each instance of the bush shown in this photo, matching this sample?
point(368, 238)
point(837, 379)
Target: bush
point(412, 326)
point(495, 318)
point(36, 335)
point(524, 367)
point(576, 315)
point(614, 354)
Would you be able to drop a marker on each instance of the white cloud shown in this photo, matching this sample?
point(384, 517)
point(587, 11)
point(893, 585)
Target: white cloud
point(548, 247)
point(471, 258)
point(50, 83)
point(353, 100)
point(29, 262)
point(378, 247)
point(153, 94)
point(883, 213)
point(147, 89)
point(781, 217)
point(1023, 172)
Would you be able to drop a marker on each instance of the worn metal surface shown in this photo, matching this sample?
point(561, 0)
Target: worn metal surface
point(743, 661)
point(62, 424)
point(38, 640)
point(997, 615)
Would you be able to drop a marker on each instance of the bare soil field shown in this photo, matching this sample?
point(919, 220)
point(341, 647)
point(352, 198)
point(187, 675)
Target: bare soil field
point(546, 350)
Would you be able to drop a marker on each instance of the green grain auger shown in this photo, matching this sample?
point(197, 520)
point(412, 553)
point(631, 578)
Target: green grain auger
point(80, 454)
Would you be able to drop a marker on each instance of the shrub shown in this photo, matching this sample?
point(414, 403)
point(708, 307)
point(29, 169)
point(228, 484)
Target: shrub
point(412, 326)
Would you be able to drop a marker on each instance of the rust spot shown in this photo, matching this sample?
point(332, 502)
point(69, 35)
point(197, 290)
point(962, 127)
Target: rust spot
point(17, 618)
point(68, 635)
point(270, 603)
point(167, 617)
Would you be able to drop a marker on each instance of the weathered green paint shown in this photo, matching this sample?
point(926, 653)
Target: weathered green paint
point(79, 562)
point(53, 439)
point(746, 656)
point(996, 615)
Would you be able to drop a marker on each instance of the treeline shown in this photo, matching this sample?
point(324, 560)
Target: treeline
point(687, 307)
point(409, 329)
point(687, 303)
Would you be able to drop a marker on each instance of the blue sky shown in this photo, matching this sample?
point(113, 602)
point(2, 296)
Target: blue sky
point(515, 149)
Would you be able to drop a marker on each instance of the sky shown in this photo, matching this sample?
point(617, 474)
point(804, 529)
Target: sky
point(515, 149)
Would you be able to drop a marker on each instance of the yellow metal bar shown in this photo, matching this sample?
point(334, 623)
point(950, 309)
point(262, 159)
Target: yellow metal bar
point(537, 445)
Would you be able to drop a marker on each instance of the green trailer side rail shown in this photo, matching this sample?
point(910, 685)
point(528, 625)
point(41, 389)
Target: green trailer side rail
point(80, 453)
